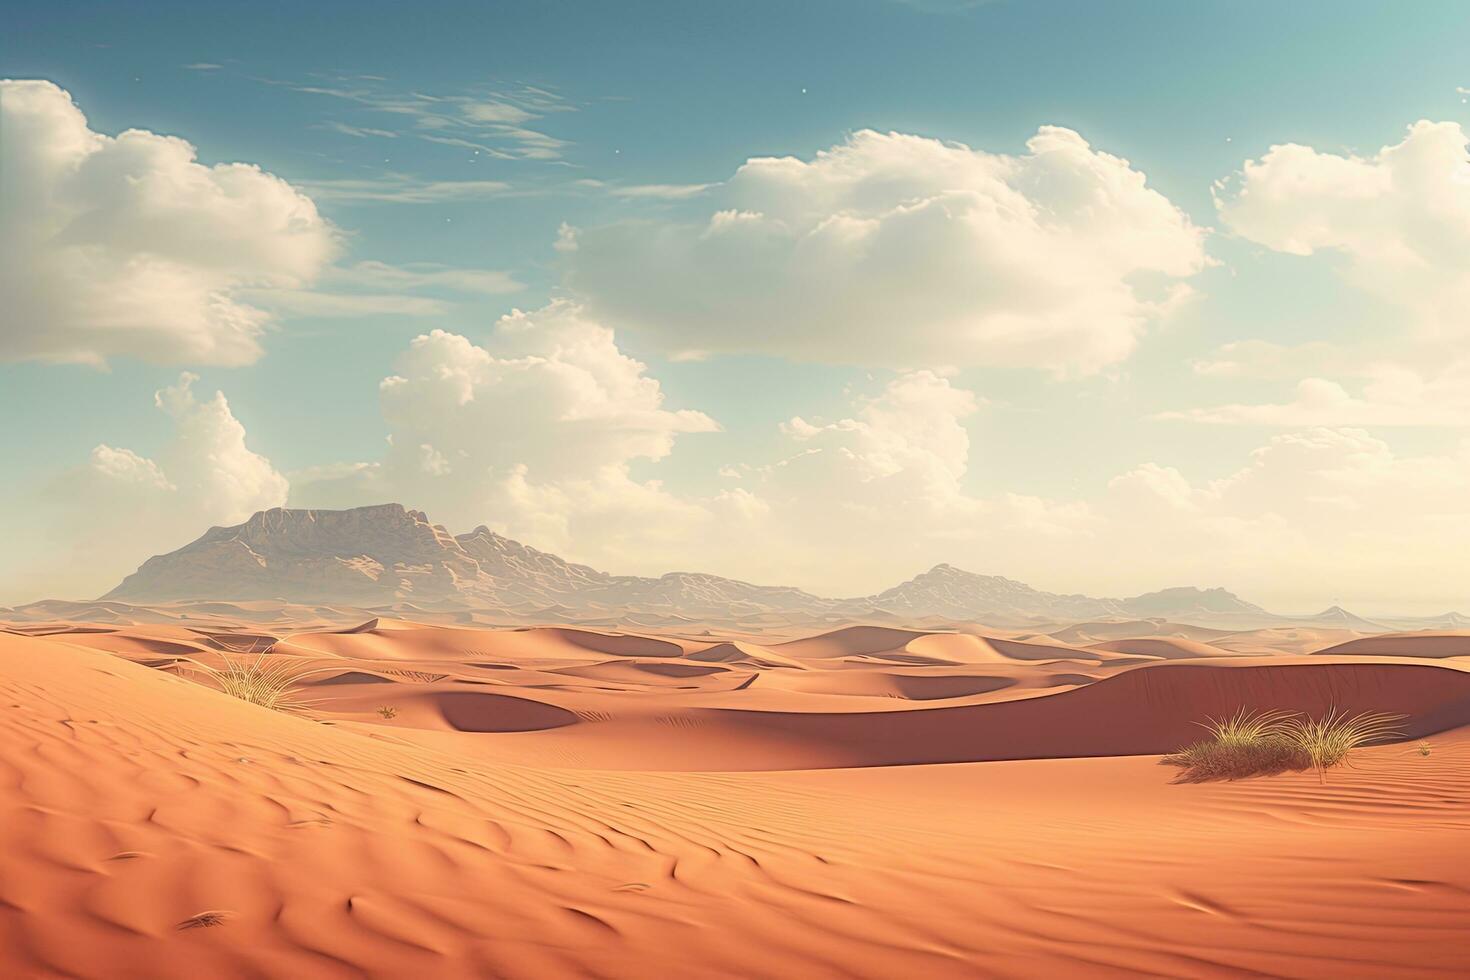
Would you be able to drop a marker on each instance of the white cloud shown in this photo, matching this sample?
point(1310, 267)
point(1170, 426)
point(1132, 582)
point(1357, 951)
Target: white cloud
point(491, 122)
point(428, 275)
point(902, 251)
point(880, 494)
point(367, 282)
point(321, 303)
point(216, 474)
point(358, 132)
point(534, 431)
point(1401, 218)
point(496, 112)
point(404, 189)
point(666, 192)
point(1389, 395)
point(97, 522)
point(912, 433)
point(1267, 359)
point(127, 245)
point(1330, 512)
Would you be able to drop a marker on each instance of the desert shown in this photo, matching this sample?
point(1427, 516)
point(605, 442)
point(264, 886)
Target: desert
point(445, 799)
point(776, 489)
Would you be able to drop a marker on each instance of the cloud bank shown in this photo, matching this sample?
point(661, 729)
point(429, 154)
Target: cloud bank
point(98, 521)
point(900, 251)
point(127, 245)
point(1400, 218)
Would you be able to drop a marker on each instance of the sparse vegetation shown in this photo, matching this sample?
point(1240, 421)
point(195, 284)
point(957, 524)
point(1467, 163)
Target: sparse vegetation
point(1264, 743)
point(269, 685)
point(204, 920)
point(1326, 741)
point(1424, 747)
point(419, 676)
point(388, 711)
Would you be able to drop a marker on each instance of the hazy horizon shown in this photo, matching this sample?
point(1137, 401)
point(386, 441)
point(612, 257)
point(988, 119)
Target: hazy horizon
point(899, 576)
point(930, 283)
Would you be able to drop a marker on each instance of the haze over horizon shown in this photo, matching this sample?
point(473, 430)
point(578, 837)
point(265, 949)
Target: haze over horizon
point(915, 289)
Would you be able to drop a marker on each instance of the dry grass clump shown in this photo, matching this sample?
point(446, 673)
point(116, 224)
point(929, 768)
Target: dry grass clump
point(204, 920)
point(260, 682)
point(388, 711)
point(1265, 743)
point(1328, 740)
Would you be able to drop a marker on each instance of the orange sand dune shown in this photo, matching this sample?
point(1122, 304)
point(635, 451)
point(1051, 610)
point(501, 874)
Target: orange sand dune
point(1426, 645)
point(408, 641)
point(518, 816)
point(1146, 710)
point(929, 648)
point(1162, 647)
point(1098, 632)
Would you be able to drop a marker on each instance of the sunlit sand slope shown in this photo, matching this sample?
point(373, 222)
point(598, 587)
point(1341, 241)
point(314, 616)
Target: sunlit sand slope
point(151, 827)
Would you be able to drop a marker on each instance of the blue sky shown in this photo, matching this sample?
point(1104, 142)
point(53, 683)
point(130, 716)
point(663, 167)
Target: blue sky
point(461, 138)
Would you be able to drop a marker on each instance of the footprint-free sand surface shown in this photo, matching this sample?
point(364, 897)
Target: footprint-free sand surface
point(870, 802)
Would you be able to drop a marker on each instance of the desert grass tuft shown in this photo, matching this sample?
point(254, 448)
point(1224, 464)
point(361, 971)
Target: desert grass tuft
point(1248, 728)
point(204, 920)
point(1326, 741)
point(388, 711)
point(260, 682)
point(1264, 743)
point(1247, 743)
point(1424, 747)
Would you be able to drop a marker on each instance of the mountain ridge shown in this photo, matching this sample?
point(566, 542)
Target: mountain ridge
point(387, 554)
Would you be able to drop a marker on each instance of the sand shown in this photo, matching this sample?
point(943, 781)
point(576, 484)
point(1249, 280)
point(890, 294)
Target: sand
point(870, 802)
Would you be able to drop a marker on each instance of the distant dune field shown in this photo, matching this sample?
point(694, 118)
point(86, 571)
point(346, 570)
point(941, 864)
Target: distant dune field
point(871, 802)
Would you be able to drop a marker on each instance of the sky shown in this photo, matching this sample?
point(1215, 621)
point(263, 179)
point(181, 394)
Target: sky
point(1103, 297)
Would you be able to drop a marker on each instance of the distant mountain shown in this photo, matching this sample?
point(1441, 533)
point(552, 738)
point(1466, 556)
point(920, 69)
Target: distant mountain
point(957, 594)
point(954, 593)
point(363, 555)
point(1186, 601)
point(1340, 618)
point(387, 555)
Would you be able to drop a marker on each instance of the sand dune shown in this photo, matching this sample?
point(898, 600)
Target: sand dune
point(1425, 645)
point(555, 802)
point(1162, 647)
point(1147, 710)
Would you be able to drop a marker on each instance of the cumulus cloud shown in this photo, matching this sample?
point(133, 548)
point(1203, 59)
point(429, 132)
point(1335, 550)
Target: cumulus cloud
point(98, 521)
point(912, 434)
point(205, 475)
point(1400, 218)
point(533, 431)
point(127, 245)
point(900, 251)
point(880, 494)
point(537, 431)
point(1321, 509)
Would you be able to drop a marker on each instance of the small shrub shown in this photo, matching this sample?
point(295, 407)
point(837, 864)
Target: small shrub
point(1328, 740)
point(204, 920)
point(1424, 747)
point(1248, 728)
point(269, 685)
point(1205, 761)
point(1247, 743)
point(1265, 743)
point(388, 711)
